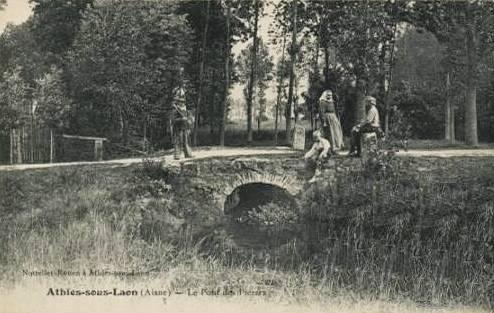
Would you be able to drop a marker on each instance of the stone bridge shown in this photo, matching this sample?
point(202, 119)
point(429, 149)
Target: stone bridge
point(222, 177)
point(223, 193)
point(215, 182)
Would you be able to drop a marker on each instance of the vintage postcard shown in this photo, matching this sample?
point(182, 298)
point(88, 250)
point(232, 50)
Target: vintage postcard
point(246, 156)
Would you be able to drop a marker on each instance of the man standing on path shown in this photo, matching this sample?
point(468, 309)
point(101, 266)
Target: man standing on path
point(181, 121)
point(371, 124)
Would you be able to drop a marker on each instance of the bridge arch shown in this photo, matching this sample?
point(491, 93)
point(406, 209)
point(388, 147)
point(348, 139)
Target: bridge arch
point(290, 184)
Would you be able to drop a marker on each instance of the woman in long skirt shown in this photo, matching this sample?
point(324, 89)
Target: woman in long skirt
point(330, 122)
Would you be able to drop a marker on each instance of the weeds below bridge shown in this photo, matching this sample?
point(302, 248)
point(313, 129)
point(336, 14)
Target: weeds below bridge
point(425, 233)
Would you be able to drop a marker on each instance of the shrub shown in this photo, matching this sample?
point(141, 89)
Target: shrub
point(153, 169)
point(272, 214)
point(381, 163)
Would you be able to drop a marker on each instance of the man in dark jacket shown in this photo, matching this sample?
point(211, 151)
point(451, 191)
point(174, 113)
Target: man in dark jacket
point(181, 121)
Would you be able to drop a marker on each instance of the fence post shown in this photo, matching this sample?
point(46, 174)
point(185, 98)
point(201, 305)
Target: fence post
point(98, 150)
point(11, 152)
point(51, 146)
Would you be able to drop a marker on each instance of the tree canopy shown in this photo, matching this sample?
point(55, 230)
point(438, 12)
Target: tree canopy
point(430, 63)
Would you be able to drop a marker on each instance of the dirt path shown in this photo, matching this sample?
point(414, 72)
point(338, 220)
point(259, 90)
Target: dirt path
point(447, 153)
point(204, 153)
point(168, 159)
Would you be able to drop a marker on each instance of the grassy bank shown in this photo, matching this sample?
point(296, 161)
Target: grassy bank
point(422, 232)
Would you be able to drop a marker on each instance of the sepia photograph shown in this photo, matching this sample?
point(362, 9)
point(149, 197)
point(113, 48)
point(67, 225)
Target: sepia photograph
point(270, 156)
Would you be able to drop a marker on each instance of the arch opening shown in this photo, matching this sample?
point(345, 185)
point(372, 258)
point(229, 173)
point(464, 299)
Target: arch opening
point(260, 215)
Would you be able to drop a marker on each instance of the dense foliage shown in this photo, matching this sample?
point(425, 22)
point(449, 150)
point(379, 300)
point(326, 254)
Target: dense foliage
point(118, 62)
point(123, 67)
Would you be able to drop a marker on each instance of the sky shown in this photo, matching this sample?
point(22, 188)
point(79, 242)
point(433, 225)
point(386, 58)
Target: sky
point(16, 12)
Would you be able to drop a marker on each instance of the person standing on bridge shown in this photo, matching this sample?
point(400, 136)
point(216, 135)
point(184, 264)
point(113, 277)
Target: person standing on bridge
point(181, 121)
point(317, 155)
point(330, 122)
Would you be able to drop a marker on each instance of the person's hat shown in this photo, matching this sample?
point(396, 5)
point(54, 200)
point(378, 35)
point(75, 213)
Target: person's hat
point(316, 133)
point(370, 100)
point(327, 95)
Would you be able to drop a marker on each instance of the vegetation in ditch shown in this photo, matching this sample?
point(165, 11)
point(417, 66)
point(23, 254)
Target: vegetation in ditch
point(424, 232)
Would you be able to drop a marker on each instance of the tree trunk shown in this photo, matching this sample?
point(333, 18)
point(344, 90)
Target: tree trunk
point(212, 111)
point(293, 53)
point(383, 84)
point(144, 133)
point(52, 150)
point(452, 125)
point(227, 78)
point(360, 104)
point(362, 70)
point(390, 67)
point(125, 131)
point(18, 146)
point(124, 126)
point(386, 110)
point(390, 80)
point(314, 77)
point(253, 66)
point(471, 138)
point(201, 76)
point(280, 86)
point(447, 111)
point(11, 152)
point(31, 141)
point(24, 145)
point(326, 66)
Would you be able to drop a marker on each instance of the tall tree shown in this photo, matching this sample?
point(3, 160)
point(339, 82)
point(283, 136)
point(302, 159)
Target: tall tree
point(56, 23)
point(253, 66)
point(472, 46)
point(281, 78)
point(293, 63)
point(52, 105)
point(418, 87)
point(449, 116)
point(224, 110)
point(218, 46)
point(18, 48)
point(355, 37)
point(15, 107)
point(201, 73)
point(475, 22)
point(124, 65)
point(262, 73)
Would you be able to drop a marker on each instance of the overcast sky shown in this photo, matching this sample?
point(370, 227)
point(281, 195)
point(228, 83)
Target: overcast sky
point(16, 11)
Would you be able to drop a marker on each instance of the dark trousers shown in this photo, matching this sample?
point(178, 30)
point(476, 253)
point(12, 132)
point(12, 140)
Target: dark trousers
point(357, 135)
point(181, 142)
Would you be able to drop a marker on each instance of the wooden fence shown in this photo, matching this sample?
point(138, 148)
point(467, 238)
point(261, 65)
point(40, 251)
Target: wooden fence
point(38, 145)
point(28, 144)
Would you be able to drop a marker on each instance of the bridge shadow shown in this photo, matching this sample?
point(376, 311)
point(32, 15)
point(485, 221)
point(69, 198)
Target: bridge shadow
point(259, 216)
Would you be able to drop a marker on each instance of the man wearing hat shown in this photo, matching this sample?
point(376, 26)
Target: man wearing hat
point(180, 123)
point(370, 124)
point(330, 122)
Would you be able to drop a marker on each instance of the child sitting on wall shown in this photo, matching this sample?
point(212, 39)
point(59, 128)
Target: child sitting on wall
point(317, 155)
